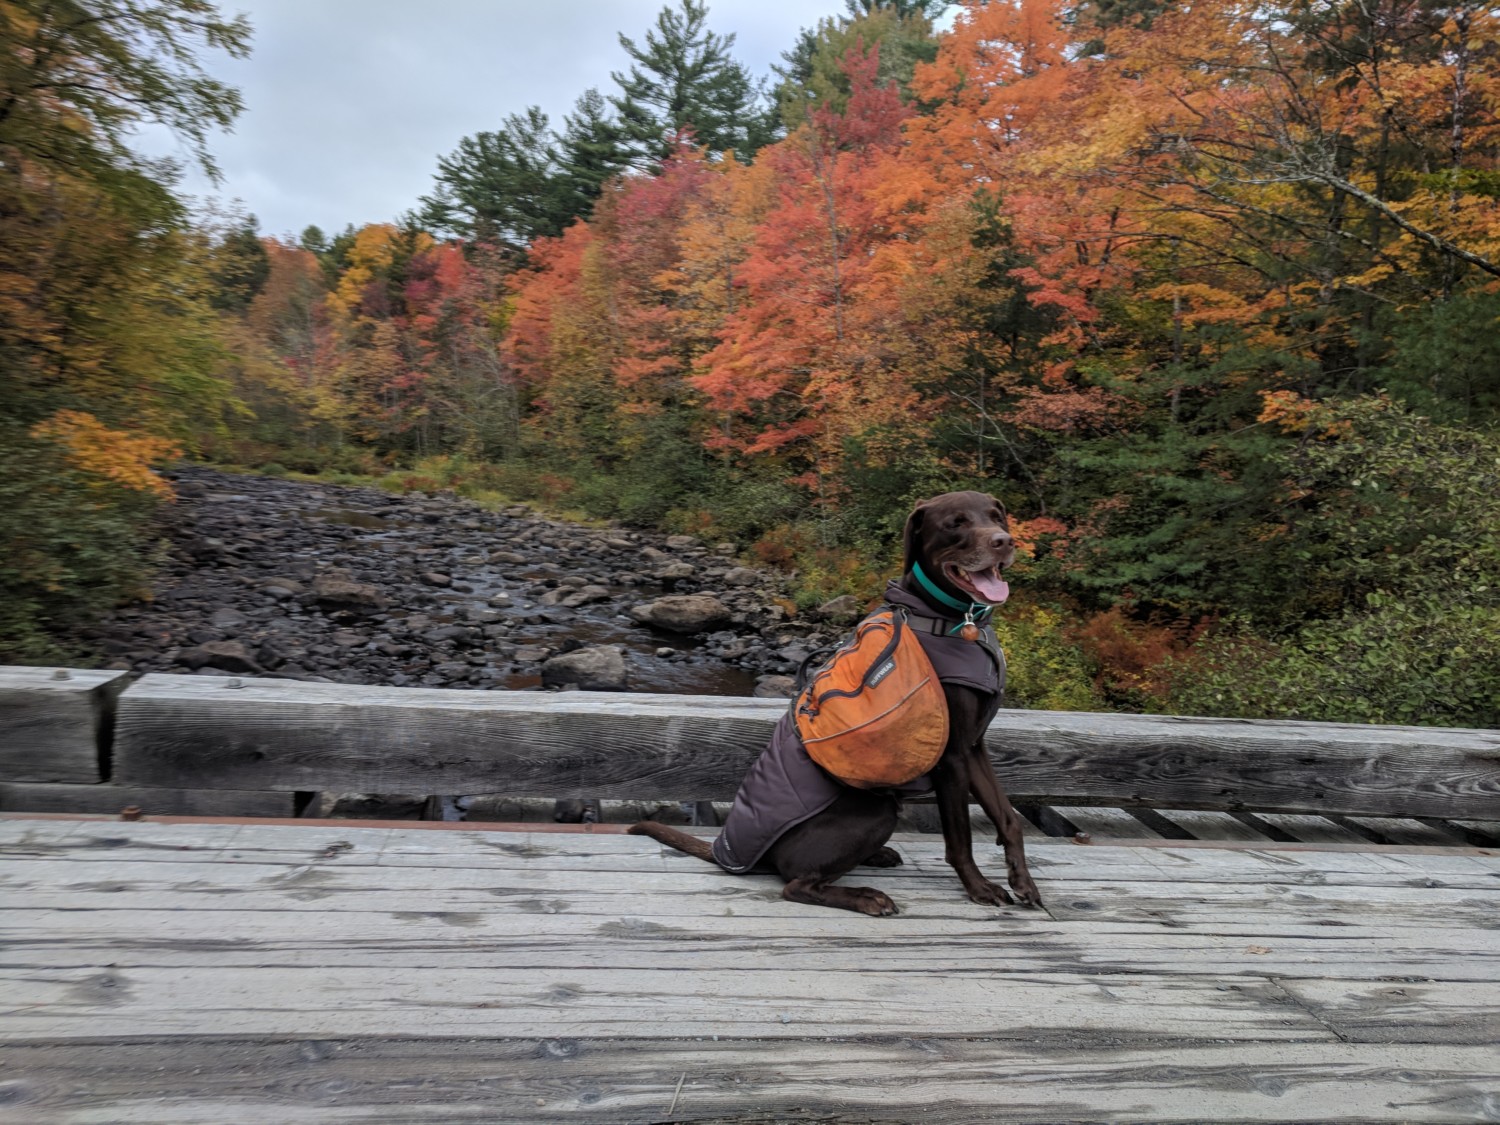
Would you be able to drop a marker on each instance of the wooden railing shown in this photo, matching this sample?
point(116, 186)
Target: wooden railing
point(163, 735)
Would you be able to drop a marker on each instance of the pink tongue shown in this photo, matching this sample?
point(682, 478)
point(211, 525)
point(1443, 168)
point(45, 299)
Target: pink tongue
point(992, 588)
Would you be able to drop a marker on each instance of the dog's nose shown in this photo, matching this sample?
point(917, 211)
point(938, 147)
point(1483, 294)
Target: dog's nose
point(1000, 540)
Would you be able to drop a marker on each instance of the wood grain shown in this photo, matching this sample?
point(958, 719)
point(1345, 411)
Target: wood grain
point(189, 732)
point(633, 1081)
point(244, 972)
point(55, 729)
point(109, 798)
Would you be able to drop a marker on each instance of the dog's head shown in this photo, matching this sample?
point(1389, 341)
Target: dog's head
point(963, 541)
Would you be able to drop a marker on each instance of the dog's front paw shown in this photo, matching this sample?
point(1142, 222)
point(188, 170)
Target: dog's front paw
point(1026, 893)
point(982, 891)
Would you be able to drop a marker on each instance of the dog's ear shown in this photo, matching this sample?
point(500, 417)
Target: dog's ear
point(1004, 511)
point(911, 539)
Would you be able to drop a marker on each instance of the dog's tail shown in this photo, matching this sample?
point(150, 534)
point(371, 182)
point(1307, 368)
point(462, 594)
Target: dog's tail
point(693, 845)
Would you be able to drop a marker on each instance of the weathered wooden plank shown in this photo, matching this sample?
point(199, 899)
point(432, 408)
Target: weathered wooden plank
point(1311, 829)
point(1212, 825)
point(1105, 823)
point(1401, 830)
point(355, 891)
point(581, 1000)
point(108, 798)
point(632, 1081)
point(150, 843)
point(691, 878)
point(428, 936)
point(53, 722)
point(141, 867)
point(1405, 1011)
point(183, 731)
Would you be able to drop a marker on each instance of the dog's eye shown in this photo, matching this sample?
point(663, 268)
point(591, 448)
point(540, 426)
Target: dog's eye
point(959, 521)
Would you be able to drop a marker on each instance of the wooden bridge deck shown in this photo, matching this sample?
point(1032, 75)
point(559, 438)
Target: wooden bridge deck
point(180, 972)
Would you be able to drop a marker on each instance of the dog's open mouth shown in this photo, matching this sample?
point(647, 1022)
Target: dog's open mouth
point(982, 585)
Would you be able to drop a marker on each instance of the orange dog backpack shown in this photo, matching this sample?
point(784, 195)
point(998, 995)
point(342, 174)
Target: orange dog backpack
point(874, 713)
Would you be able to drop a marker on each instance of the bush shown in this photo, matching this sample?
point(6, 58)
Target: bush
point(74, 546)
point(1424, 663)
point(1045, 669)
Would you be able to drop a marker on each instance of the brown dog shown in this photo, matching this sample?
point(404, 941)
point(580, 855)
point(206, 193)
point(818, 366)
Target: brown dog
point(956, 546)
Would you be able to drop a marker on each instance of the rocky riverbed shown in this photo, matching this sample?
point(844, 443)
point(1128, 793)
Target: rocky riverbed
point(270, 577)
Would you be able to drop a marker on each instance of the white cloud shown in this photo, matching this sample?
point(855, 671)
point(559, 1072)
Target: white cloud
point(349, 103)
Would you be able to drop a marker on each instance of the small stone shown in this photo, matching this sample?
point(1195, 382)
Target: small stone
point(436, 578)
point(682, 542)
point(227, 619)
point(230, 656)
point(742, 576)
point(458, 634)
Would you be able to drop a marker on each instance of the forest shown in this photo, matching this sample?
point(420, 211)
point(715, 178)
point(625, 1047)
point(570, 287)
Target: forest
point(1207, 294)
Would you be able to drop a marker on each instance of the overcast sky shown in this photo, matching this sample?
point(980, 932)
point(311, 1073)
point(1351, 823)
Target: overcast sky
point(349, 103)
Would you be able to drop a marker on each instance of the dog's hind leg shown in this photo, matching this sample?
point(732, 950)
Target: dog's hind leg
point(811, 855)
point(818, 892)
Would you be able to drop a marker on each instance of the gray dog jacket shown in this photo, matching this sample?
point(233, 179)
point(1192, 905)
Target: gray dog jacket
point(785, 786)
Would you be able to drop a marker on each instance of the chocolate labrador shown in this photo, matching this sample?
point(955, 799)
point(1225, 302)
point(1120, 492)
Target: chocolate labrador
point(792, 818)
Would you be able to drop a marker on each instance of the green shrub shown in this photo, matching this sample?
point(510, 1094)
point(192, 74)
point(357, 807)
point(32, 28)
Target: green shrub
point(1419, 662)
point(1045, 670)
point(72, 546)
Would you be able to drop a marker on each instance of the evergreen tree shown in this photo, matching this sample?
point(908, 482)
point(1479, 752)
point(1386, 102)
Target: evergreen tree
point(525, 181)
point(238, 267)
point(814, 72)
point(684, 78)
point(927, 9)
point(499, 186)
point(591, 151)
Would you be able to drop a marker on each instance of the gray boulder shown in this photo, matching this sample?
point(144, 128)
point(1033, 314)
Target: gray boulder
point(585, 595)
point(683, 613)
point(599, 668)
point(841, 611)
point(333, 592)
point(775, 687)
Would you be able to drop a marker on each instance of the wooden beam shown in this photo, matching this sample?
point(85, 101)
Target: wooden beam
point(194, 732)
point(54, 723)
point(41, 797)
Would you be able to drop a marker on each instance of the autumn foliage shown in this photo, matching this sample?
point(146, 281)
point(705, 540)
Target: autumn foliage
point(1205, 292)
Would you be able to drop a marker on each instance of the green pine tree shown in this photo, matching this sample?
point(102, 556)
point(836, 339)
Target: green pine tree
point(684, 79)
point(591, 152)
point(525, 181)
